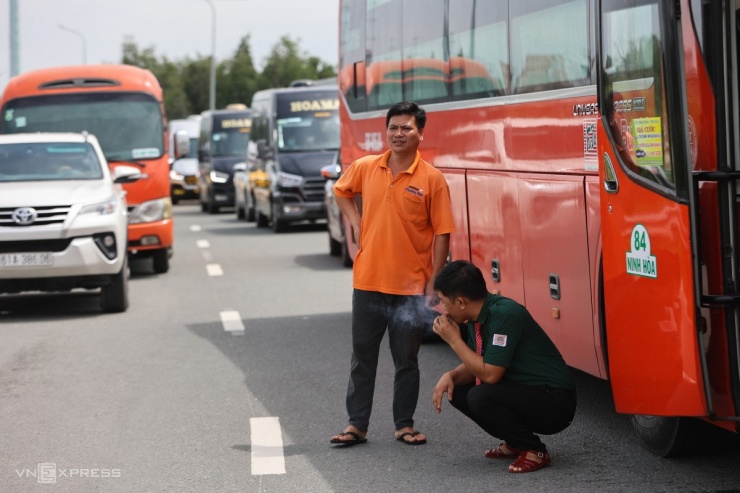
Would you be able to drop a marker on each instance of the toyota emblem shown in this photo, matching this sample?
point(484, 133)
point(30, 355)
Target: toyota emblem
point(24, 216)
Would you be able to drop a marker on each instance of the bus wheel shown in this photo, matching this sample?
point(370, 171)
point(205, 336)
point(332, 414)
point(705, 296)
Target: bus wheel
point(114, 296)
point(662, 436)
point(161, 261)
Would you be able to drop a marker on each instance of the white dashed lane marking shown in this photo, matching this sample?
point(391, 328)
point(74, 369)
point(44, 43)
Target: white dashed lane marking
point(214, 270)
point(195, 227)
point(267, 446)
point(232, 321)
point(203, 244)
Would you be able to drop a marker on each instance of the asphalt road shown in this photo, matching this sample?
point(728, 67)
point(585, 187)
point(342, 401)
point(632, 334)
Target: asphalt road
point(228, 373)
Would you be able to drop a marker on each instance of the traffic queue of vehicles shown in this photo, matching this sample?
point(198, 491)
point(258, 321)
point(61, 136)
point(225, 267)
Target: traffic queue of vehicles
point(85, 180)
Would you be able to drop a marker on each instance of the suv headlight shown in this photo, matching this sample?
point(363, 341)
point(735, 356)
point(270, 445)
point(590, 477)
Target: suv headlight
point(289, 181)
point(219, 177)
point(152, 210)
point(176, 176)
point(100, 208)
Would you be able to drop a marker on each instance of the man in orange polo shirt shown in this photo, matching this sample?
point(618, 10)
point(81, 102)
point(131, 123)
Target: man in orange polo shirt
point(403, 236)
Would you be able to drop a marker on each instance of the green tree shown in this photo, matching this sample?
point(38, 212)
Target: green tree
point(237, 79)
point(286, 63)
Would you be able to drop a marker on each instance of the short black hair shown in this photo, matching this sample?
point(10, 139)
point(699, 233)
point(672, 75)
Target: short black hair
point(461, 278)
point(407, 108)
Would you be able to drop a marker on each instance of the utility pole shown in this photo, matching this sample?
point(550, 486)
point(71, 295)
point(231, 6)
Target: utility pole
point(212, 87)
point(14, 64)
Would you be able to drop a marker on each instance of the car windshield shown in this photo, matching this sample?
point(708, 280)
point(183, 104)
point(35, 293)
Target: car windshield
point(232, 142)
point(44, 161)
point(127, 125)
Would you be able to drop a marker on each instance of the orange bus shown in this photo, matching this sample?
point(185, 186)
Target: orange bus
point(592, 173)
point(123, 107)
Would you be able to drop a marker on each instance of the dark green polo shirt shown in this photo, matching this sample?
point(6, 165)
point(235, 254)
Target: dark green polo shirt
point(514, 340)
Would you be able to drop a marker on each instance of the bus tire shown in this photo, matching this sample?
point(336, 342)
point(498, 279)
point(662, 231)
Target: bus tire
point(663, 436)
point(114, 296)
point(161, 261)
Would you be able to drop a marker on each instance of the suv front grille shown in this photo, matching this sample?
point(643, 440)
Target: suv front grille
point(45, 215)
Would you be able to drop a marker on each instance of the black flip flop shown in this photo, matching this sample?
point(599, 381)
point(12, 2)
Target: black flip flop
point(400, 438)
point(356, 439)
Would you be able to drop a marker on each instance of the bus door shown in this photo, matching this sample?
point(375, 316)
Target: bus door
point(647, 231)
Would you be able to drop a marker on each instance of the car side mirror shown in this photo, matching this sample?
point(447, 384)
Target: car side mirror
point(331, 171)
point(126, 174)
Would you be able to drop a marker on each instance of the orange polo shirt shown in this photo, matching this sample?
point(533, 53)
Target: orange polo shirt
point(400, 218)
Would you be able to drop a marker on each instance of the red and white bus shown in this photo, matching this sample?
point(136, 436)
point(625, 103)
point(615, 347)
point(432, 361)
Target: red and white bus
point(123, 107)
point(591, 148)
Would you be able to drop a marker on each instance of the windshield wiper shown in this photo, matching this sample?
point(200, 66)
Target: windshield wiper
point(128, 161)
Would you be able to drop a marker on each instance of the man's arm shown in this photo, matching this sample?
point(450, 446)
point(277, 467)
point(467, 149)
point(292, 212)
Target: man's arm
point(349, 208)
point(472, 361)
point(439, 257)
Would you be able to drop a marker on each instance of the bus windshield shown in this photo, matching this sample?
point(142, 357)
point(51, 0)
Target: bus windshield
point(127, 125)
point(314, 132)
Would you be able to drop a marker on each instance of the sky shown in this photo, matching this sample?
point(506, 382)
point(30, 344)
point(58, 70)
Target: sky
point(173, 28)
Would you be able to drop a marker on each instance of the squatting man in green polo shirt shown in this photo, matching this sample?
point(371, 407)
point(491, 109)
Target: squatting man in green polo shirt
point(513, 381)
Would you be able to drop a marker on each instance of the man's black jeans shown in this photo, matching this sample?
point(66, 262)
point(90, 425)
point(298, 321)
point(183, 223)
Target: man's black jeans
point(372, 313)
point(514, 412)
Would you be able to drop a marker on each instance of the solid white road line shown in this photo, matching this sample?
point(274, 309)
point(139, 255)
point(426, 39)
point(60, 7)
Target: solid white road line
point(214, 270)
point(232, 321)
point(267, 446)
point(195, 227)
point(203, 244)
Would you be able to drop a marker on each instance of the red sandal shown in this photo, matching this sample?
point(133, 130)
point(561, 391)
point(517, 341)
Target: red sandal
point(498, 452)
point(525, 464)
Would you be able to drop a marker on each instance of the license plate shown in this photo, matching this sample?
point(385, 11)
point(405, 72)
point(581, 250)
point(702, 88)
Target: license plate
point(25, 259)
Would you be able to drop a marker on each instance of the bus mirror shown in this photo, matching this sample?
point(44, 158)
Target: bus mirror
point(182, 144)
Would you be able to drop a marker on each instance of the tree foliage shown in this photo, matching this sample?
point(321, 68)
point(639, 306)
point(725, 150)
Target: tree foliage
point(185, 82)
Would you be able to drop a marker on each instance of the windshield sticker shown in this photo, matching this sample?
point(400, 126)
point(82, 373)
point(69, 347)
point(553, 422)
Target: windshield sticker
point(9, 116)
point(314, 105)
point(145, 153)
point(648, 141)
point(639, 260)
point(20, 122)
point(590, 153)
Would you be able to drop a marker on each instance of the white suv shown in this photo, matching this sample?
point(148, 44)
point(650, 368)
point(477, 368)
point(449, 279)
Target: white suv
point(63, 222)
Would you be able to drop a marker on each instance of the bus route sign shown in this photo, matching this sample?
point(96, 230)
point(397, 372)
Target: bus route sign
point(639, 260)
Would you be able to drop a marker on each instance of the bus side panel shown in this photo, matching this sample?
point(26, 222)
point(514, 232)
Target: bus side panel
point(459, 240)
point(554, 248)
point(495, 230)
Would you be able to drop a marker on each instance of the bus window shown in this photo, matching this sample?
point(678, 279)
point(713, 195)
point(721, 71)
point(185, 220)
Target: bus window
point(545, 56)
point(635, 109)
point(479, 49)
point(424, 52)
point(384, 77)
point(352, 54)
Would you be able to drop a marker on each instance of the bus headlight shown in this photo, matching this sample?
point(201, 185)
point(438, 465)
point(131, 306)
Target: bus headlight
point(152, 210)
point(289, 181)
point(218, 177)
point(100, 208)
